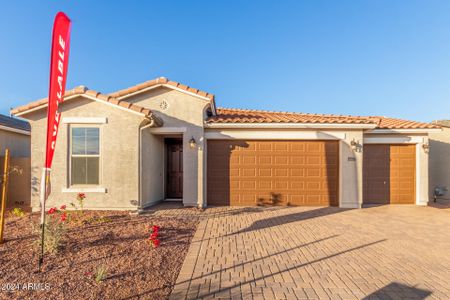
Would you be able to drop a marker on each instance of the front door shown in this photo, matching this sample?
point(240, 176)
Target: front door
point(174, 187)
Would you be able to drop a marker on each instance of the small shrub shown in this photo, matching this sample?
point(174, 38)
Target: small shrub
point(54, 230)
point(18, 212)
point(100, 274)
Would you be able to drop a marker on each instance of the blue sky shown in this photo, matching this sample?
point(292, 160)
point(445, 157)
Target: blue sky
point(387, 58)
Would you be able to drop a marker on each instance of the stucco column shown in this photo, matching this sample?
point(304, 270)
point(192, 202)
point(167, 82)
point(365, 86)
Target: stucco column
point(351, 170)
point(193, 167)
point(201, 177)
point(422, 189)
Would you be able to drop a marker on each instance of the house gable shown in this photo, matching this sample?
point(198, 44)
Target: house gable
point(164, 82)
point(175, 108)
point(82, 93)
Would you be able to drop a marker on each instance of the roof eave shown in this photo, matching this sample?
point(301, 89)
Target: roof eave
point(74, 96)
point(290, 125)
point(209, 99)
point(15, 130)
point(403, 131)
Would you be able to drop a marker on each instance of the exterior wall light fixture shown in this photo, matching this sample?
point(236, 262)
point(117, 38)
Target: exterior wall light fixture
point(356, 146)
point(426, 147)
point(192, 143)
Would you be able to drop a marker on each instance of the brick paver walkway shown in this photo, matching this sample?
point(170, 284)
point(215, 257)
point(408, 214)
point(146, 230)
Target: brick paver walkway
point(387, 252)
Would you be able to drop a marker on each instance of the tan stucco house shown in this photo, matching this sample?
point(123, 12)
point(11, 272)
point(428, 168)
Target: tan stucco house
point(439, 166)
point(162, 140)
point(15, 136)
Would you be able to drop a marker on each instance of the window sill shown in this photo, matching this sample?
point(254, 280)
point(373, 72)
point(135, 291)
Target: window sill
point(84, 190)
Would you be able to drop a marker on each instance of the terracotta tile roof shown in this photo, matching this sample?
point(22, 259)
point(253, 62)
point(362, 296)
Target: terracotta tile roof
point(232, 115)
point(159, 81)
point(393, 123)
point(82, 90)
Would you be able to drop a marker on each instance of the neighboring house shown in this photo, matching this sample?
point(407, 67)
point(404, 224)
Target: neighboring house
point(15, 135)
point(439, 166)
point(162, 140)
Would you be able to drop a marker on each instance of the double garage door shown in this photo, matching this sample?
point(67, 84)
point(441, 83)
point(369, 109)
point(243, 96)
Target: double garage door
point(255, 172)
point(251, 172)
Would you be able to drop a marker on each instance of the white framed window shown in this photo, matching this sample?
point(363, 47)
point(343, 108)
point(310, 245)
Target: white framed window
point(84, 155)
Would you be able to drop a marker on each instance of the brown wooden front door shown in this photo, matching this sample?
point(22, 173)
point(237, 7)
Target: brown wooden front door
point(389, 174)
point(174, 186)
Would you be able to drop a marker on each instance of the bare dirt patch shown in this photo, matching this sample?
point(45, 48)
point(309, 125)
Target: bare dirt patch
point(135, 268)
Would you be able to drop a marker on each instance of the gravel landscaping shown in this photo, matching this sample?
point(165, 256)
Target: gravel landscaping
point(112, 241)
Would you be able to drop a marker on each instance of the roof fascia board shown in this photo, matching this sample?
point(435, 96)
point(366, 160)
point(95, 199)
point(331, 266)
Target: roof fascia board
point(84, 96)
point(164, 85)
point(394, 131)
point(398, 139)
point(213, 108)
point(290, 125)
point(15, 130)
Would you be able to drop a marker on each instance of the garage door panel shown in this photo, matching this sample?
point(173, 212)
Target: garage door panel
point(298, 147)
point(281, 185)
point(314, 161)
point(267, 185)
point(281, 146)
point(281, 160)
point(265, 147)
point(234, 160)
point(314, 147)
point(297, 160)
point(248, 172)
point(298, 185)
point(299, 199)
point(298, 172)
point(274, 172)
point(265, 172)
point(265, 160)
point(233, 172)
point(281, 172)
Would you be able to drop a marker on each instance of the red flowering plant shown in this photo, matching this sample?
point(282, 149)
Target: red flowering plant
point(77, 217)
point(80, 198)
point(154, 236)
point(58, 214)
point(55, 229)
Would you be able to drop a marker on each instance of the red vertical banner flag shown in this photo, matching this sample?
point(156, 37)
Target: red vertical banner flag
point(58, 75)
point(59, 60)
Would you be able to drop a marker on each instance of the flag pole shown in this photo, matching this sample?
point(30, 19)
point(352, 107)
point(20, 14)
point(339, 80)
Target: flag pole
point(43, 198)
point(59, 59)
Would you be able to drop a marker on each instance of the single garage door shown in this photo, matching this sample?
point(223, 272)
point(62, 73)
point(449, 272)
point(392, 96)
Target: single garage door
point(272, 172)
point(389, 174)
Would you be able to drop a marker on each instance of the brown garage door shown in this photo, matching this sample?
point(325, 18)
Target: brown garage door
point(272, 172)
point(389, 174)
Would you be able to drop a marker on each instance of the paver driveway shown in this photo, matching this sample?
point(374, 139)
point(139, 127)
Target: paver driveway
point(387, 252)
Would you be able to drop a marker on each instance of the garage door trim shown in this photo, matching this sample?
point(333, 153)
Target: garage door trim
point(324, 189)
point(416, 166)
